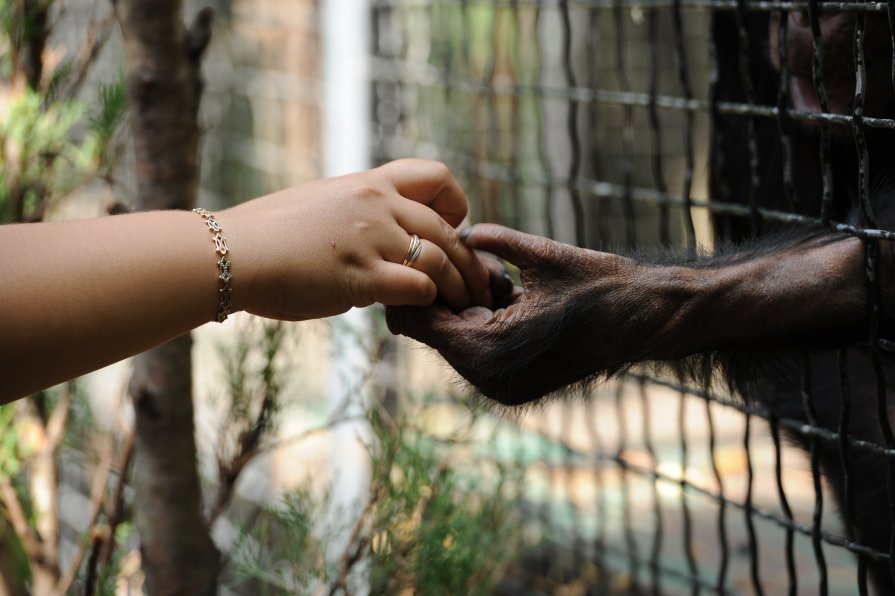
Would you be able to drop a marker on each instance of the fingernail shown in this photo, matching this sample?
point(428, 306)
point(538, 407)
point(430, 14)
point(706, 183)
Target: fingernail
point(465, 232)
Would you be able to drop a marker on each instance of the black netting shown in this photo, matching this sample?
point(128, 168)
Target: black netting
point(629, 124)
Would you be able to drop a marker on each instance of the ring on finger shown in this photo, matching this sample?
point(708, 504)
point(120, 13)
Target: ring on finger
point(413, 251)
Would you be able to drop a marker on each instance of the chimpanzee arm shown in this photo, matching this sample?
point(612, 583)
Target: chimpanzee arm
point(581, 314)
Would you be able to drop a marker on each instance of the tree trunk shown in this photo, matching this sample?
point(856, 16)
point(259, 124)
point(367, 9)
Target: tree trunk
point(163, 90)
point(43, 488)
point(35, 13)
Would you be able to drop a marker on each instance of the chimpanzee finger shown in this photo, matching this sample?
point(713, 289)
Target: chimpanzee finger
point(427, 324)
point(499, 281)
point(521, 249)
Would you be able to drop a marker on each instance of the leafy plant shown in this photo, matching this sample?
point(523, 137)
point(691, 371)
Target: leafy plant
point(427, 526)
point(282, 551)
point(36, 151)
point(436, 529)
point(50, 143)
point(255, 372)
point(10, 459)
point(42, 154)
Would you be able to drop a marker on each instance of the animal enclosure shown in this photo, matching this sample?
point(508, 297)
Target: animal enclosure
point(626, 125)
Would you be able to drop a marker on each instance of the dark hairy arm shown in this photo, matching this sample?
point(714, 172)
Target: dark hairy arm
point(582, 314)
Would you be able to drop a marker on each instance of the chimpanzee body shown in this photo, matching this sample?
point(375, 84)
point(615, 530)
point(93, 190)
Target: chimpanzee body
point(863, 500)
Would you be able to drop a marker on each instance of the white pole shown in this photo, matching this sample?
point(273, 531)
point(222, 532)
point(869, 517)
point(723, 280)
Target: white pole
point(346, 133)
point(346, 86)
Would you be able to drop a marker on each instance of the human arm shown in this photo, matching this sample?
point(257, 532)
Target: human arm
point(583, 313)
point(75, 296)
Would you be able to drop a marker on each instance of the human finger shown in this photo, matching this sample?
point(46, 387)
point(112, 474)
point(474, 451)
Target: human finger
point(519, 248)
point(435, 263)
point(417, 219)
point(429, 183)
point(396, 284)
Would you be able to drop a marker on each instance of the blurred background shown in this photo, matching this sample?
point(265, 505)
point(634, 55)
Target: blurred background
point(333, 457)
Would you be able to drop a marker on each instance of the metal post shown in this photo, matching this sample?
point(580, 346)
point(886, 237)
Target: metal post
point(346, 133)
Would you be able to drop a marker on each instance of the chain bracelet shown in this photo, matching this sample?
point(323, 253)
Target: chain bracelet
point(224, 274)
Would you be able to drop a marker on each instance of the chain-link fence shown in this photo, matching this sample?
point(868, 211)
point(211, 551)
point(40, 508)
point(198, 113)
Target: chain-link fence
point(620, 124)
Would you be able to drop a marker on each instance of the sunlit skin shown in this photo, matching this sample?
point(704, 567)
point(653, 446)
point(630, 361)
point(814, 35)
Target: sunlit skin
point(75, 296)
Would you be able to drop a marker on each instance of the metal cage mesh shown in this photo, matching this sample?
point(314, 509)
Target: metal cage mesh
point(591, 122)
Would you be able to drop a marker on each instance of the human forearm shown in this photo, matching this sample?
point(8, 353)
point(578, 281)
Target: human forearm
point(76, 296)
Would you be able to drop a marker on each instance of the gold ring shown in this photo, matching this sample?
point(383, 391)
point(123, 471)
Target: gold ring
point(413, 251)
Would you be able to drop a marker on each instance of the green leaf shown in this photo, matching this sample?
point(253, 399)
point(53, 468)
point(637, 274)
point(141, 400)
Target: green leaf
point(112, 105)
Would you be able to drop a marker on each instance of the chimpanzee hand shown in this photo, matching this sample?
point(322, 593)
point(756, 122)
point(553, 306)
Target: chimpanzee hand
point(579, 313)
point(582, 313)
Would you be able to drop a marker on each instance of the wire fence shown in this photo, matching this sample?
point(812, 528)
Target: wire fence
point(620, 124)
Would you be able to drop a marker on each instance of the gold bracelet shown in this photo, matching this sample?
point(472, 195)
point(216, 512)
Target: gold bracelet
point(224, 275)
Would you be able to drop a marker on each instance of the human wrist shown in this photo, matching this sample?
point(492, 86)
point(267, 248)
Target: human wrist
point(225, 272)
point(242, 255)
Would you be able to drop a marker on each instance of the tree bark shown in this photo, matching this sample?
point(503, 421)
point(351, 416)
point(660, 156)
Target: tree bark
point(35, 14)
point(163, 91)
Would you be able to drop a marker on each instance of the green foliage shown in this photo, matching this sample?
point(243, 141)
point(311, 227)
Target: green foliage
point(255, 374)
point(16, 571)
point(107, 576)
point(50, 144)
point(18, 25)
point(438, 518)
point(10, 461)
point(13, 458)
point(81, 428)
point(282, 552)
point(112, 106)
point(34, 143)
point(56, 86)
point(41, 157)
point(7, 24)
point(14, 451)
point(427, 527)
point(432, 531)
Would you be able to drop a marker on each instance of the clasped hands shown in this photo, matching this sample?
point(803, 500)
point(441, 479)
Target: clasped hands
point(388, 235)
point(338, 243)
point(578, 314)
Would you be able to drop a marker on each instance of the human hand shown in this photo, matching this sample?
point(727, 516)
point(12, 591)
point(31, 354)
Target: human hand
point(579, 313)
point(321, 248)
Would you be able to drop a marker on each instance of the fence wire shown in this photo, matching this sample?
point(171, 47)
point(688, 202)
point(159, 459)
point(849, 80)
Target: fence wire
point(602, 123)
